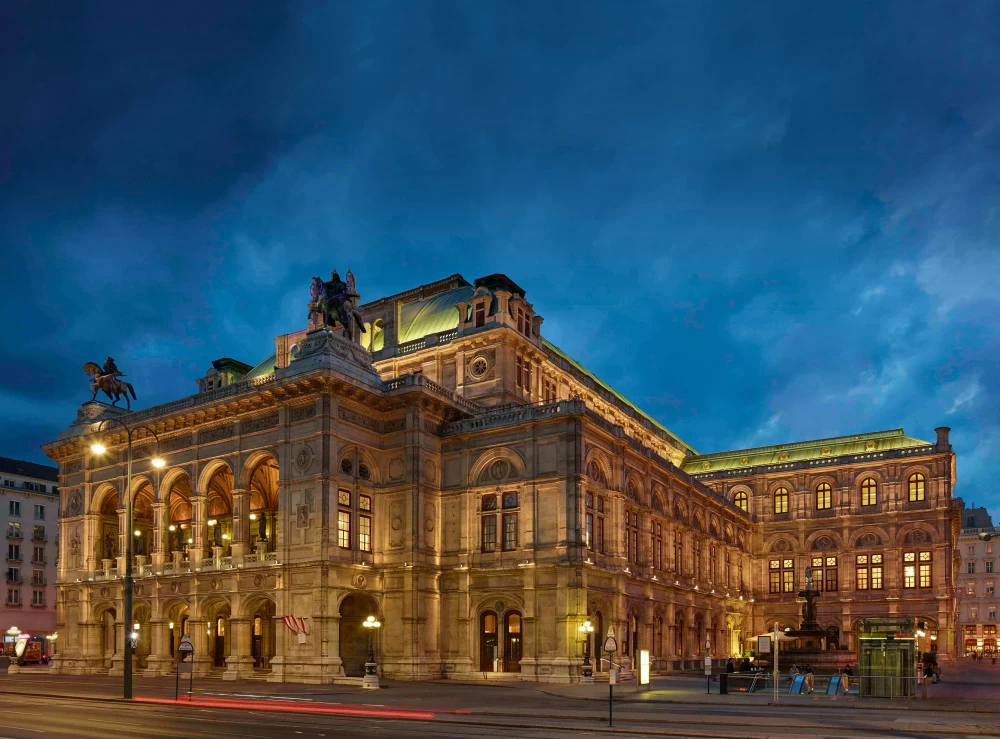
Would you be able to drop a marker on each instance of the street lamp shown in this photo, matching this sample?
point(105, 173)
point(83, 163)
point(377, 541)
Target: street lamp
point(586, 629)
point(99, 448)
point(371, 673)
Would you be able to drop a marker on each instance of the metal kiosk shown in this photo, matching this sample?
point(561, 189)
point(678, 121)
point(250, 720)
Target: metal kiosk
point(887, 657)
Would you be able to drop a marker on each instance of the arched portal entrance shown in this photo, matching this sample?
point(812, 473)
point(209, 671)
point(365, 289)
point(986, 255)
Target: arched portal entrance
point(219, 643)
point(220, 510)
point(109, 644)
point(262, 635)
point(142, 519)
point(179, 506)
point(107, 541)
point(264, 505)
point(500, 642)
point(354, 638)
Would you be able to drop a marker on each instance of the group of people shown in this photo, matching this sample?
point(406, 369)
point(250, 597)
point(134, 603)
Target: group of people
point(810, 681)
point(745, 666)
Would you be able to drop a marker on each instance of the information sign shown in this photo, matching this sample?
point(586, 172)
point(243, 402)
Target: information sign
point(643, 667)
point(764, 644)
point(611, 644)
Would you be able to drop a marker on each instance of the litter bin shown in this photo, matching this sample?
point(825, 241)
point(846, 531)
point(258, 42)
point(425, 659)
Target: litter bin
point(723, 683)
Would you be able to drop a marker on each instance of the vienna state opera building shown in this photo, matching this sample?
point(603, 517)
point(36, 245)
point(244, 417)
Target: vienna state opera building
point(482, 495)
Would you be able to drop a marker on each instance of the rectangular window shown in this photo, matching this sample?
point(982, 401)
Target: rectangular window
point(344, 529)
point(39, 513)
point(38, 577)
point(775, 584)
point(15, 508)
point(788, 581)
point(861, 579)
point(970, 588)
point(489, 502)
point(365, 533)
point(909, 576)
point(14, 552)
point(991, 590)
point(509, 500)
point(38, 533)
point(989, 565)
point(972, 550)
point(13, 530)
point(973, 612)
point(590, 531)
point(38, 597)
point(877, 578)
point(489, 533)
point(13, 575)
point(38, 554)
point(993, 615)
point(589, 500)
point(600, 534)
point(365, 503)
point(925, 575)
point(831, 579)
point(509, 532)
point(989, 548)
point(13, 597)
point(971, 567)
point(480, 319)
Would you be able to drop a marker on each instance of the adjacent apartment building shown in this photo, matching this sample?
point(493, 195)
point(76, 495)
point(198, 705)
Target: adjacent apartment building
point(977, 612)
point(29, 501)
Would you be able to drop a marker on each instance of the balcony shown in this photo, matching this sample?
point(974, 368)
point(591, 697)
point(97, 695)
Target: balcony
point(14, 557)
point(12, 604)
point(39, 537)
point(14, 580)
point(41, 561)
point(38, 581)
point(14, 534)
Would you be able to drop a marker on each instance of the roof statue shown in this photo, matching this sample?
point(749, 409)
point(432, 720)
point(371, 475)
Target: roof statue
point(335, 301)
point(106, 378)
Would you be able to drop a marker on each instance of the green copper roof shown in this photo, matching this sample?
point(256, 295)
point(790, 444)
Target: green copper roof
point(876, 441)
point(263, 369)
point(607, 388)
point(432, 315)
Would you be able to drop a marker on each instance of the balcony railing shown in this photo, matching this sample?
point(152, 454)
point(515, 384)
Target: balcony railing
point(39, 581)
point(14, 534)
point(14, 558)
point(14, 580)
point(38, 537)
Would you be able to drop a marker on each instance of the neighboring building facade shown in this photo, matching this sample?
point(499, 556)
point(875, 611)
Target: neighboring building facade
point(977, 583)
point(478, 491)
point(29, 500)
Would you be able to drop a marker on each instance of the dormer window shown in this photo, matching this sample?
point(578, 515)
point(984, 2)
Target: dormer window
point(523, 322)
point(480, 315)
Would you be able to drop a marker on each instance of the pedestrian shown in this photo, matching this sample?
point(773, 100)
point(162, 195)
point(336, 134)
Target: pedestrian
point(793, 671)
point(747, 667)
point(993, 659)
point(730, 667)
point(810, 680)
point(845, 679)
point(927, 677)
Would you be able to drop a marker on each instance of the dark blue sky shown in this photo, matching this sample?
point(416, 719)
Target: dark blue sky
point(764, 222)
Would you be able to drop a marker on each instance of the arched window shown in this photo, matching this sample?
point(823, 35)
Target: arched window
point(781, 500)
point(869, 492)
point(824, 496)
point(917, 488)
point(740, 499)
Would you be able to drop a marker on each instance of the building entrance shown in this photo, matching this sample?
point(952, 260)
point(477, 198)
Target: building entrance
point(354, 609)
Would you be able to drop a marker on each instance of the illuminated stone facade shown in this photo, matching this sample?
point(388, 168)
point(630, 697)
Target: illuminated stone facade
point(473, 487)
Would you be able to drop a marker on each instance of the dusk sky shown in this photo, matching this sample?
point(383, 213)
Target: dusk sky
point(762, 222)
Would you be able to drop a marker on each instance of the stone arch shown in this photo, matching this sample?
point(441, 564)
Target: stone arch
point(745, 490)
point(100, 499)
point(253, 462)
point(680, 510)
point(728, 533)
point(143, 520)
point(715, 526)
point(906, 472)
point(780, 543)
point(360, 465)
point(864, 475)
point(260, 610)
point(656, 501)
point(916, 534)
point(170, 606)
point(497, 466)
point(698, 520)
point(824, 540)
point(209, 471)
point(868, 537)
point(169, 478)
point(786, 484)
point(176, 494)
point(354, 607)
point(207, 604)
point(634, 489)
point(598, 467)
point(489, 601)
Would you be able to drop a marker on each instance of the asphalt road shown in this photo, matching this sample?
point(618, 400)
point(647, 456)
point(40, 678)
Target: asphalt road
point(98, 719)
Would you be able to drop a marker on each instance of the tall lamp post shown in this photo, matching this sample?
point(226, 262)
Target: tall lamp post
point(586, 629)
point(98, 448)
point(371, 667)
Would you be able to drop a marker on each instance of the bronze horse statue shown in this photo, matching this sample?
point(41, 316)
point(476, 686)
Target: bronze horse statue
point(114, 388)
point(334, 302)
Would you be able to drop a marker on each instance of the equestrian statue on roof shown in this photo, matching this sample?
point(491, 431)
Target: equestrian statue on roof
point(106, 378)
point(335, 301)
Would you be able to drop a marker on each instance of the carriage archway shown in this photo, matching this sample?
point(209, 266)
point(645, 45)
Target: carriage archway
point(105, 617)
point(354, 638)
point(263, 487)
point(217, 615)
point(177, 617)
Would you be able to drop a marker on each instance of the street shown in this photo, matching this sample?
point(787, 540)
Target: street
point(62, 706)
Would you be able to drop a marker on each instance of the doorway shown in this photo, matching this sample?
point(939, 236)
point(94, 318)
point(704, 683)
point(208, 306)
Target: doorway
point(512, 642)
point(354, 638)
point(489, 658)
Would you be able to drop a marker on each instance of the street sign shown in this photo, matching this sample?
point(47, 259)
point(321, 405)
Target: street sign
point(611, 644)
point(184, 650)
point(185, 647)
point(708, 665)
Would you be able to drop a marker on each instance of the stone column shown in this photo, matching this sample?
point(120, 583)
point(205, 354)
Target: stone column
point(241, 523)
point(159, 661)
point(240, 662)
point(199, 531)
point(160, 545)
point(198, 629)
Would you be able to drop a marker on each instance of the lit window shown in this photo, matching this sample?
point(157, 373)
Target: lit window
point(917, 487)
point(509, 532)
point(970, 588)
point(489, 533)
point(909, 576)
point(869, 492)
point(824, 496)
point(344, 530)
point(781, 575)
point(740, 500)
point(868, 572)
point(365, 533)
point(781, 500)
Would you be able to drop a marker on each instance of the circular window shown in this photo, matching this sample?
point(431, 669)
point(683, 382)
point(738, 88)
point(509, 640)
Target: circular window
point(479, 367)
point(346, 467)
point(363, 472)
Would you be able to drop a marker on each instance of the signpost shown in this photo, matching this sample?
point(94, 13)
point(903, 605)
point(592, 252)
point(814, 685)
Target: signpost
point(775, 661)
point(611, 646)
point(185, 663)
